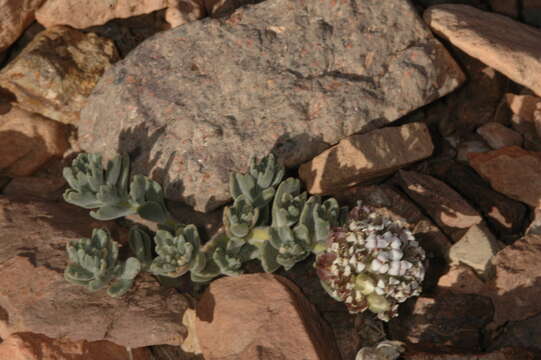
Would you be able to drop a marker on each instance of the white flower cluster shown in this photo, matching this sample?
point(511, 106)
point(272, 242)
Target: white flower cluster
point(372, 263)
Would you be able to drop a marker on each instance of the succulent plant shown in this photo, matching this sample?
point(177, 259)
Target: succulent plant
point(259, 183)
point(93, 187)
point(270, 220)
point(372, 262)
point(240, 218)
point(141, 245)
point(177, 252)
point(107, 190)
point(94, 264)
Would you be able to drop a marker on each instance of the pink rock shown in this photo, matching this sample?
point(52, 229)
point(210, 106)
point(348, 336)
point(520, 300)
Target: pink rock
point(81, 14)
point(506, 45)
point(28, 141)
point(260, 316)
point(35, 297)
point(516, 289)
point(28, 346)
point(498, 136)
point(512, 171)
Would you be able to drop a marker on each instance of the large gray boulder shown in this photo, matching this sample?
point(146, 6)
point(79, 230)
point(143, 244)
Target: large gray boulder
point(288, 76)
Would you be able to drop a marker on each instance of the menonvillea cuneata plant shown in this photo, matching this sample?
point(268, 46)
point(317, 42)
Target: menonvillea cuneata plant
point(270, 219)
point(371, 262)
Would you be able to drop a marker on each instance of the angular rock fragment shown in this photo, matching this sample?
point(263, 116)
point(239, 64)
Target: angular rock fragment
point(476, 248)
point(523, 333)
point(523, 105)
point(260, 316)
point(365, 158)
point(28, 141)
point(291, 77)
point(500, 42)
point(16, 15)
point(517, 280)
point(81, 14)
point(512, 171)
point(444, 205)
point(448, 318)
point(506, 216)
point(498, 136)
point(462, 279)
point(34, 297)
point(56, 72)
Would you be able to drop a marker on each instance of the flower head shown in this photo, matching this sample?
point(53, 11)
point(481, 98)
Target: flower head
point(372, 262)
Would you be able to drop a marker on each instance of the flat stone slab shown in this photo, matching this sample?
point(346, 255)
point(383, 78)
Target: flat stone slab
point(507, 45)
point(365, 158)
point(293, 77)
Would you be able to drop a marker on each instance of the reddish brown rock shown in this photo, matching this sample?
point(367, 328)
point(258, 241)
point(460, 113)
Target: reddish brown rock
point(528, 131)
point(56, 72)
point(365, 158)
point(81, 14)
point(46, 188)
point(28, 346)
point(512, 171)
point(524, 333)
point(462, 279)
point(517, 280)
point(448, 319)
point(27, 141)
point(260, 316)
point(498, 136)
point(445, 206)
point(181, 12)
point(515, 52)
point(505, 216)
point(34, 297)
point(16, 15)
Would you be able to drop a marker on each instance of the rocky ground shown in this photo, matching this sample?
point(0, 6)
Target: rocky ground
point(428, 110)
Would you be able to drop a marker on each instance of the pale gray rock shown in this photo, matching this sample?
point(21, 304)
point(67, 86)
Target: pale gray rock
point(476, 248)
point(293, 77)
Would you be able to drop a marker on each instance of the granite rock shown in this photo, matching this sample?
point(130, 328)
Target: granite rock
point(194, 103)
